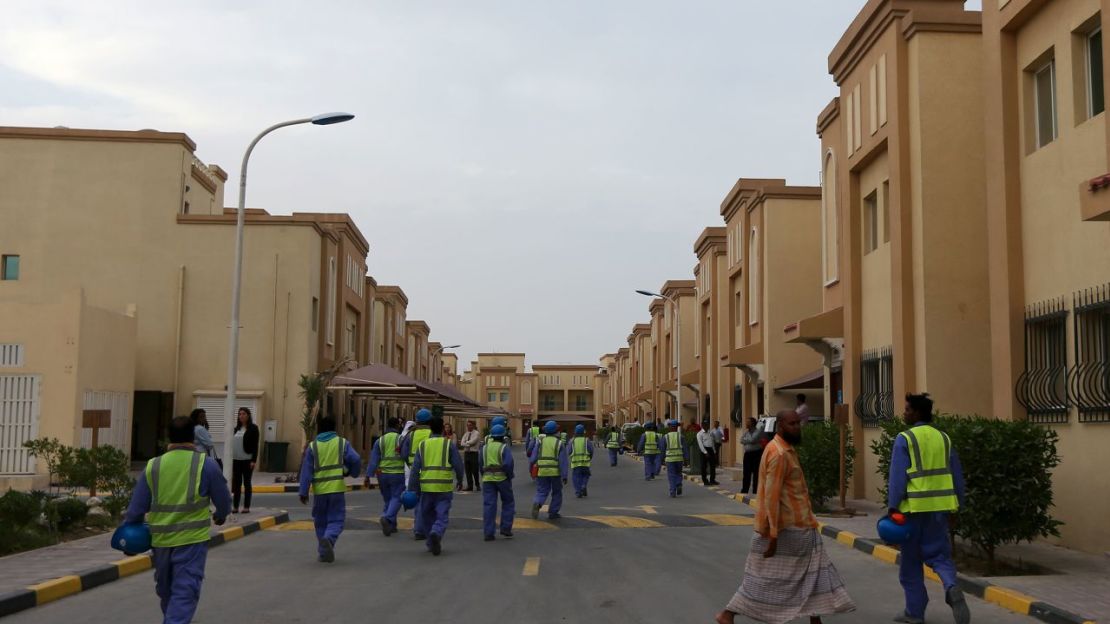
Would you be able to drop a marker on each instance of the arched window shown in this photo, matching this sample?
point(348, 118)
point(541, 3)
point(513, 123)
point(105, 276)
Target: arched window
point(829, 231)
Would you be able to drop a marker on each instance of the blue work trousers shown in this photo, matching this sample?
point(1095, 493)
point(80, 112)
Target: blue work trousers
point(329, 511)
point(674, 476)
point(581, 478)
point(928, 544)
point(392, 487)
point(491, 490)
point(613, 453)
point(652, 466)
point(178, 574)
point(433, 512)
point(552, 486)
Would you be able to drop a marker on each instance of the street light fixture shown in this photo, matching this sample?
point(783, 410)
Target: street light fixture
point(325, 119)
point(677, 348)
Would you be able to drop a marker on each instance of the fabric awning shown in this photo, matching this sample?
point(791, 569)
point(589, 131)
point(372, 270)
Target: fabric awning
point(809, 381)
point(388, 384)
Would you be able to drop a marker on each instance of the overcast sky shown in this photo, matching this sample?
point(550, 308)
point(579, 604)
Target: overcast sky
point(519, 167)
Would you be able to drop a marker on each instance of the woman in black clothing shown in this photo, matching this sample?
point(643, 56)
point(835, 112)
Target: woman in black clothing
point(244, 449)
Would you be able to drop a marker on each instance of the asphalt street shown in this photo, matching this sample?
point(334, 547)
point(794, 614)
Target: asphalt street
point(628, 553)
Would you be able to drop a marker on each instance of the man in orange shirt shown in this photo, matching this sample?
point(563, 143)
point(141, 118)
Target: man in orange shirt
point(788, 573)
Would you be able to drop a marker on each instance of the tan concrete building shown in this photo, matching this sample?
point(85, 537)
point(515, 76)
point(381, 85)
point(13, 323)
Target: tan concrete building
point(1048, 214)
point(904, 269)
point(672, 332)
point(711, 345)
point(774, 277)
point(567, 394)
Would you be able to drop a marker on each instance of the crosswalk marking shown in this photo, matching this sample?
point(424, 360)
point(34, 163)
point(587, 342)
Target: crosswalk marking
point(648, 509)
point(623, 522)
point(727, 519)
point(591, 522)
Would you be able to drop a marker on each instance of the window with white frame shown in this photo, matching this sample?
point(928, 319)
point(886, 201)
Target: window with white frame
point(830, 222)
point(1044, 103)
point(753, 277)
point(329, 322)
point(1096, 96)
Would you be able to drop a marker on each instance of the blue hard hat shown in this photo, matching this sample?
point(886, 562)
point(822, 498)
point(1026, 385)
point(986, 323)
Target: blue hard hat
point(891, 532)
point(672, 423)
point(132, 539)
point(424, 416)
point(580, 429)
point(409, 499)
point(497, 431)
point(500, 420)
point(550, 427)
point(650, 425)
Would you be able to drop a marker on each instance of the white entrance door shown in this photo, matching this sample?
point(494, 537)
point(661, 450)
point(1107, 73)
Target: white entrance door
point(19, 421)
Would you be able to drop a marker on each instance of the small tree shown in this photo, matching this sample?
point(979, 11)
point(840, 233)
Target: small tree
point(314, 388)
point(1007, 467)
point(53, 452)
point(819, 454)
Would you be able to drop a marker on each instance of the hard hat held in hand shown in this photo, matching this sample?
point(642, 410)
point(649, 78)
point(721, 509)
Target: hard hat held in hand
point(409, 500)
point(132, 539)
point(893, 529)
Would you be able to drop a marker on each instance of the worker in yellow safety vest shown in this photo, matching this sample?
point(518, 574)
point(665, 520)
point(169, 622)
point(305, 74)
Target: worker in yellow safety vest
point(436, 467)
point(328, 460)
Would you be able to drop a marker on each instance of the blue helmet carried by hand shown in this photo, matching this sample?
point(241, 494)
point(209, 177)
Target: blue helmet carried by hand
point(132, 539)
point(550, 427)
point(580, 429)
point(409, 499)
point(497, 431)
point(424, 416)
point(893, 529)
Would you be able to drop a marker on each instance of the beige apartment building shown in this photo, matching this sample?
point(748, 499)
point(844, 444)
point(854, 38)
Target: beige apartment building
point(711, 346)
point(567, 394)
point(773, 264)
point(1048, 212)
point(640, 390)
point(146, 267)
point(672, 332)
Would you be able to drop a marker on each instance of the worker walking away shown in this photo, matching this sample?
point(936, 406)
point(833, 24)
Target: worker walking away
point(436, 467)
point(676, 455)
point(497, 481)
point(613, 445)
point(532, 437)
point(927, 486)
point(328, 459)
point(581, 456)
point(420, 431)
point(176, 490)
point(550, 457)
point(387, 461)
point(648, 448)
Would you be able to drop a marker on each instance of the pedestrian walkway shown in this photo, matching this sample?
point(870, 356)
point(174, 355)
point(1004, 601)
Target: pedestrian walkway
point(46, 574)
point(1080, 582)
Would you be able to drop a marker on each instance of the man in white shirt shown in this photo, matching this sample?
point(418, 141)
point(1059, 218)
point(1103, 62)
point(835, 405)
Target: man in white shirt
point(708, 456)
point(802, 409)
point(470, 442)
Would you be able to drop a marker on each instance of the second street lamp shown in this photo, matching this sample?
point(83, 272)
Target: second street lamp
point(230, 413)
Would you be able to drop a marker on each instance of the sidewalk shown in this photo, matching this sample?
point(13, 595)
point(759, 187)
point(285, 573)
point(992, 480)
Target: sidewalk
point(32, 578)
point(1080, 586)
point(264, 483)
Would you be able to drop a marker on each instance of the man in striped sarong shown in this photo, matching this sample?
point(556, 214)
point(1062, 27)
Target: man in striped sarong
point(788, 574)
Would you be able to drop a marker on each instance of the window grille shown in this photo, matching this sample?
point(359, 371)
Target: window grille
point(1089, 378)
point(876, 399)
point(1042, 388)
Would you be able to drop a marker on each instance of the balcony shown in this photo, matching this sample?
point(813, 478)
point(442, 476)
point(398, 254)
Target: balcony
point(1094, 199)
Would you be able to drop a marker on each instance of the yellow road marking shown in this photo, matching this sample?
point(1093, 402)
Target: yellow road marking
point(929, 574)
point(268, 489)
point(727, 519)
point(133, 565)
point(531, 567)
point(623, 522)
point(648, 509)
point(1010, 599)
point(57, 588)
point(296, 525)
point(530, 524)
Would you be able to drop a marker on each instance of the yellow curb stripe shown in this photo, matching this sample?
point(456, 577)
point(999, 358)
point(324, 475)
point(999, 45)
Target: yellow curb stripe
point(885, 553)
point(268, 489)
point(231, 534)
point(1013, 600)
point(531, 567)
point(623, 522)
point(132, 565)
point(847, 538)
point(267, 522)
point(727, 519)
point(54, 589)
point(929, 574)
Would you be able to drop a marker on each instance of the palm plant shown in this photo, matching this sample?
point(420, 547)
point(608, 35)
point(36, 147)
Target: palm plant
point(314, 388)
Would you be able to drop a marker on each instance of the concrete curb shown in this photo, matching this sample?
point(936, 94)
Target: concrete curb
point(293, 488)
point(55, 589)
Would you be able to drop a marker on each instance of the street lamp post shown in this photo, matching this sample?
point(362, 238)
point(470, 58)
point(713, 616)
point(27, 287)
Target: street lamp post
point(677, 349)
point(230, 415)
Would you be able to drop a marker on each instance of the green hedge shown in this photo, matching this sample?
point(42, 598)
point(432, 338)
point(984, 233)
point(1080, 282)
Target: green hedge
point(819, 454)
point(1007, 467)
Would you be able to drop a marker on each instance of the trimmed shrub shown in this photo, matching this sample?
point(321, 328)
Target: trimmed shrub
point(68, 512)
point(819, 454)
point(632, 436)
point(1007, 467)
point(20, 509)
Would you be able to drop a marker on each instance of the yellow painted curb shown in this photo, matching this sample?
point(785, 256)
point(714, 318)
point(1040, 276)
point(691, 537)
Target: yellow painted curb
point(267, 522)
point(233, 533)
point(726, 519)
point(1010, 599)
point(885, 553)
point(269, 489)
point(623, 522)
point(929, 574)
point(847, 538)
point(132, 565)
point(54, 589)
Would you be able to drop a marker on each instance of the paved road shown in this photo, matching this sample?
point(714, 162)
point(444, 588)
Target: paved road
point(590, 569)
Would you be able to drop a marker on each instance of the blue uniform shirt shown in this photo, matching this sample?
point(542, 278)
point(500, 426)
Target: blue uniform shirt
point(900, 463)
point(351, 462)
point(212, 484)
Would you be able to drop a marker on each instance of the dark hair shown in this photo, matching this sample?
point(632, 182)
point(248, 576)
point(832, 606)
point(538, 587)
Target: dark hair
point(922, 406)
point(181, 430)
point(325, 424)
point(801, 398)
point(436, 425)
point(194, 416)
point(250, 419)
point(393, 422)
